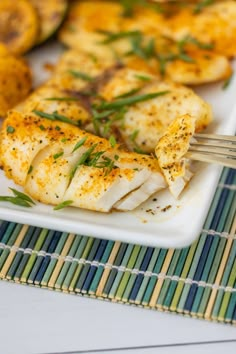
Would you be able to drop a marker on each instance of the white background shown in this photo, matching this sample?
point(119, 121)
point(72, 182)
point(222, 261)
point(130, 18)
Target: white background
point(36, 321)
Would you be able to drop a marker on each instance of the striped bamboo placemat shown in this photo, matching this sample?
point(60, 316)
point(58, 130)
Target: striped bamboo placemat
point(198, 280)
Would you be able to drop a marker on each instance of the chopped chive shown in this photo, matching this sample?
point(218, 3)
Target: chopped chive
point(16, 201)
point(138, 150)
point(63, 140)
point(227, 82)
point(19, 199)
point(201, 5)
point(81, 75)
point(63, 205)
point(93, 57)
point(107, 164)
point(22, 195)
point(82, 159)
point(44, 114)
point(10, 129)
point(57, 127)
point(64, 119)
point(59, 154)
point(128, 93)
point(112, 36)
point(54, 116)
point(143, 77)
point(93, 159)
point(127, 7)
point(42, 127)
point(80, 143)
point(185, 57)
point(134, 135)
point(131, 100)
point(112, 141)
point(191, 40)
point(30, 169)
point(103, 114)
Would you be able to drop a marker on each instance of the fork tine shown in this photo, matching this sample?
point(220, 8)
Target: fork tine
point(220, 149)
point(222, 145)
point(213, 150)
point(210, 158)
point(228, 138)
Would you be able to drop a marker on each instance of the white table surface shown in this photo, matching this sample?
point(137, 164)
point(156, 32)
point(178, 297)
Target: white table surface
point(35, 321)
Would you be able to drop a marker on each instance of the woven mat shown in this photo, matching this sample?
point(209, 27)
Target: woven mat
point(198, 280)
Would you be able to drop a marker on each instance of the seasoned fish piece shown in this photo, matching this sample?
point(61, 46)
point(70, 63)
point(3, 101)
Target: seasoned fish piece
point(170, 152)
point(215, 24)
point(84, 22)
point(205, 67)
point(22, 138)
point(145, 122)
point(125, 80)
point(144, 40)
point(76, 69)
point(146, 20)
point(90, 189)
point(56, 165)
point(49, 99)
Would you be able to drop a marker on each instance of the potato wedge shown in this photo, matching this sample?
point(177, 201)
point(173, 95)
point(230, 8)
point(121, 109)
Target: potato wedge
point(15, 82)
point(3, 51)
point(51, 14)
point(18, 25)
point(3, 106)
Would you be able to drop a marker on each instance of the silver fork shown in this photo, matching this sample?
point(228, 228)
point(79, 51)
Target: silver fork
point(211, 148)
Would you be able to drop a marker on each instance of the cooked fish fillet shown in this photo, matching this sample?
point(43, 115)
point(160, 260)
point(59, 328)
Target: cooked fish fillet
point(145, 19)
point(170, 152)
point(77, 68)
point(49, 99)
point(125, 80)
point(205, 67)
point(215, 24)
point(86, 20)
point(53, 168)
point(141, 41)
point(147, 121)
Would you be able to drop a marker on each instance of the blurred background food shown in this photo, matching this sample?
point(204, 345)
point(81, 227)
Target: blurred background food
point(15, 80)
point(188, 42)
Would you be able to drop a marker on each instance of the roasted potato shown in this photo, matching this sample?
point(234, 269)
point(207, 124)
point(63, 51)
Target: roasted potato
point(15, 82)
point(18, 25)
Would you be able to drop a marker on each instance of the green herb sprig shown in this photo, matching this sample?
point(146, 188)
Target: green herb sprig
point(19, 199)
point(80, 143)
point(105, 114)
point(129, 101)
point(63, 205)
point(55, 117)
point(201, 5)
point(227, 82)
point(133, 138)
point(111, 37)
point(82, 160)
point(80, 75)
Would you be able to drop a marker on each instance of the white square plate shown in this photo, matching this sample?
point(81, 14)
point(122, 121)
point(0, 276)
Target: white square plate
point(161, 221)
